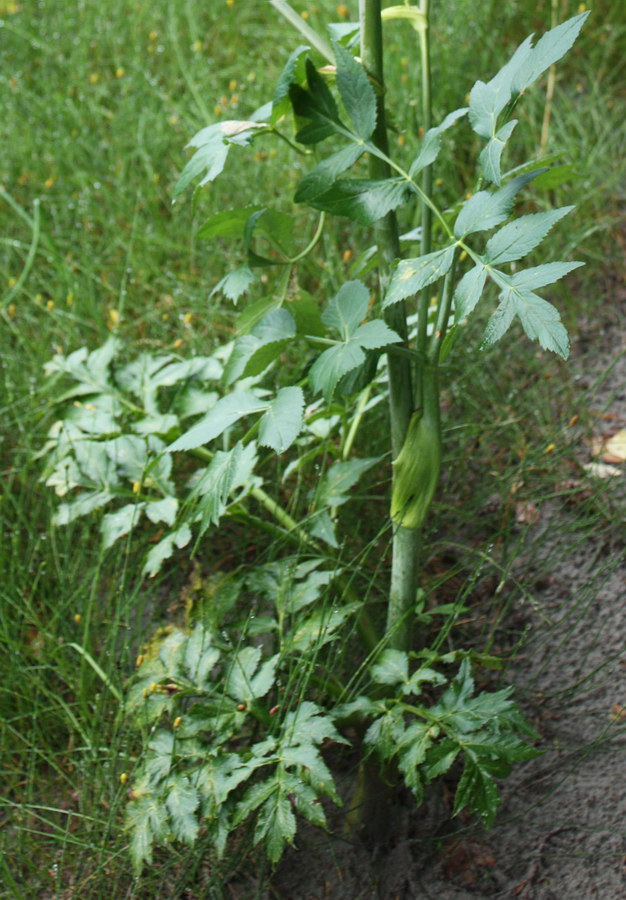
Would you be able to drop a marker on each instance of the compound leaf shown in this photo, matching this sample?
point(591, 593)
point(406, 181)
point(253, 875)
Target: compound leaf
point(518, 238)
point(226, 412)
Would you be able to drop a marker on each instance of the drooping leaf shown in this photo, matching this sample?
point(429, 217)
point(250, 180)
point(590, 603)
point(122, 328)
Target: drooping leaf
point(356, 92)
point(540, 320)
point(518, 238)
point(226, 412)
point(431, 143)
point(412, 275)
point(239, 677)
point(281, 424)
point(276, 824)
point(146, 819)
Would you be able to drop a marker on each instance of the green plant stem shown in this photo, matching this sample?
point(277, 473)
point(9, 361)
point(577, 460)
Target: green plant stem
point(405, 552)
point(312, 37)
point(443, 314)
point(427, 176)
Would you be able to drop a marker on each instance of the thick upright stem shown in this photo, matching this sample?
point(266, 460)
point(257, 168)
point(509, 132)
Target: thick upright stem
point(404, 570)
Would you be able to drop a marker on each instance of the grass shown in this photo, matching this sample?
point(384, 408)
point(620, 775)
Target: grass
point(99, 101)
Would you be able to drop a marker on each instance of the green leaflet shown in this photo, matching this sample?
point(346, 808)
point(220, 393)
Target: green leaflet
point(412, 275)
point(356, 92)
point(363, 201)
point(519, 237)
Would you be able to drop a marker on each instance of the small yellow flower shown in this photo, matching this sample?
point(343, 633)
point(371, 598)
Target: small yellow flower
point(50, 305)
point(550, 448)
point(94, 78)
point(582, 7)
point(123, 778)
point(218, 110)
point(234, 100)
point(438, 182)
point(173, 120)
point(153, 35)
point(48, 183)
point(463, 256)
point(178, 721)
point(114, 318)
point(120, 72)
point(187, 318)
point(178, 343)
point(196, 46)
point(136, 487)
point(230, 3)
point(139, 660)
point(11, 282)
point(12, 310)
point(342, 11)
point(401, 140)
point(38, 299)
point(232, 85)
point(153, 687)
point(347, 256)
point(69, 300)
point(77, 618)
point(305, 14)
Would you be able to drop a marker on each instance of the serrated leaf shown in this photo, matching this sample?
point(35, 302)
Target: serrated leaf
point(282, 423)
point(213, 144)
point(347, 309)
point(116, 524)
point(84, 504)
point(323, 176)
point(182, 802)
point(215, 484)
point(287, 76)
point(165, 548)
point(239, 677)
point(468, 291)
point(264, 678)
point(158, 762)
point(431, 143)
point(307, 724)
point(276, 825)
point(518, 238)
point(340, 479)
point(226, 412)
point(229, 223)
point(316, 104)
point(412, 275)
point(549, 49)
point(146, 820)
point(538, 276)
point(200, 657)
point(486, 209)
point(162, 510)
point(363, 201)
point(392, 667)
point(487, 101)
point(491, 153)
point(235, 284)
point(333, 363)
point(540, 320)
point(356, 92)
